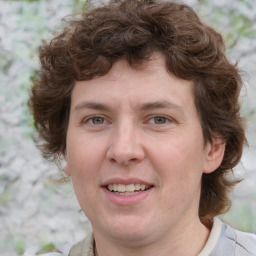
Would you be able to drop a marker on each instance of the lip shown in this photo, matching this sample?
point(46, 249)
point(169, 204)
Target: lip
point(127, 200)
point(122, 200)
point(125, 181)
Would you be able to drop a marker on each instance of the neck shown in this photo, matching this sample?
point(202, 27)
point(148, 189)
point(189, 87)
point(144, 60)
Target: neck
point(184, 240)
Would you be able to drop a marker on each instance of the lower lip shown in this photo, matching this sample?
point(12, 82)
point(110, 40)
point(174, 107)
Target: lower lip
point(127, 200)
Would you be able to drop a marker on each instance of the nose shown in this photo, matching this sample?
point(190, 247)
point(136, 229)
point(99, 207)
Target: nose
point(126, 145)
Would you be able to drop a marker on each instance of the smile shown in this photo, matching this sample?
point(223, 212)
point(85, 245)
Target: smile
point(127, 190)
point(124, 192)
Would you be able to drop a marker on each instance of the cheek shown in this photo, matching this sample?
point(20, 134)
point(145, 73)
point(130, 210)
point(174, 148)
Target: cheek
point(178, 160)
point(83, 153)
point(171, 152)
point(82, 164)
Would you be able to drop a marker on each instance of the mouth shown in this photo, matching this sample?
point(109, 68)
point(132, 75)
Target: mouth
point(127, 190)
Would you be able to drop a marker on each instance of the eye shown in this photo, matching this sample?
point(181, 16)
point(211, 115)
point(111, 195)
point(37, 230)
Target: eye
point(95, 120)
point(159, 120)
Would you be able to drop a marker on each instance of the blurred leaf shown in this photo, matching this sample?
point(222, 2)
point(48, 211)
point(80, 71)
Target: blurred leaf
point(19, 246)
point(50, 247)
point(79, 5)
point(4, 197)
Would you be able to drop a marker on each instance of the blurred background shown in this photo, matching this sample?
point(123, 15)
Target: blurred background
point(38, 210)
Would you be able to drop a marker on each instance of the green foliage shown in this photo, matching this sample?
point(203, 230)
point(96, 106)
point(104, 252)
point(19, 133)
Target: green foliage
point(33, 26)
point(79, 5)
point(50, 247)
point(5, 62)
point(4, 197)
point(19, 245)
point(230, 21)
point(47, 246)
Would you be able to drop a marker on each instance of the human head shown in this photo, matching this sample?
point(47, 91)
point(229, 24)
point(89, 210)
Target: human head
point(131, 29)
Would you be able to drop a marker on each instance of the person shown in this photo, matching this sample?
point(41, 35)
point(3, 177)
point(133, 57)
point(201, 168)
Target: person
point(140, 100)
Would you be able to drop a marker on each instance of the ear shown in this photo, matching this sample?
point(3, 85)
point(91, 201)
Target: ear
point(66, 170)
point(214, 154)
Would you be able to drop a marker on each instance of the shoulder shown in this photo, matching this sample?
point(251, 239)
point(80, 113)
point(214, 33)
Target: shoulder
point(85, 247)
point(245, 243)
point(235, 242)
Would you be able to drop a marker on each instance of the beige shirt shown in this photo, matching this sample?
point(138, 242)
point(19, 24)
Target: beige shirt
point(83, 248)
point(223, 240)
point(86, 246)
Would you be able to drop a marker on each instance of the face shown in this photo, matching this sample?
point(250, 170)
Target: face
point(135, 152)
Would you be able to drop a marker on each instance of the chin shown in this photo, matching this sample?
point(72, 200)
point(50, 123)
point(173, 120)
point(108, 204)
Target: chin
point(131, 230)
point(132, 237)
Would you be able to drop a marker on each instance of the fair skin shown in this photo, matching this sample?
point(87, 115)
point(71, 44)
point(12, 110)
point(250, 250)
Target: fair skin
point(139, 126)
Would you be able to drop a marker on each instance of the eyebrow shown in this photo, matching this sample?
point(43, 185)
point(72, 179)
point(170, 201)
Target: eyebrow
point(91, 105)
point(143, 107)
point(161, 104)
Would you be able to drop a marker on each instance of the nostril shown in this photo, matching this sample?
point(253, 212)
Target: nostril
point(123, 161)
point(124, 155)
point(112, 160)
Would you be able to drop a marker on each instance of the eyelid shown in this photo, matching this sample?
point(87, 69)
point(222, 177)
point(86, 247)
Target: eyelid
point(106, 120)
point(88, 118)
point(169, 119)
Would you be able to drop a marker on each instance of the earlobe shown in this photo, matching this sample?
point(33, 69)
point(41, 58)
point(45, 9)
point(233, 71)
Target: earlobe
point(66, 170)
point(214, 155)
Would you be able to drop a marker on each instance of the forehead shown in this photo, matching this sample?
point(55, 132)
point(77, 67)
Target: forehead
point(149, 82)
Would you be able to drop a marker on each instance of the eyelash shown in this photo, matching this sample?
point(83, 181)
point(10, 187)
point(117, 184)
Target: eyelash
point(167, 119)
point(89, 120)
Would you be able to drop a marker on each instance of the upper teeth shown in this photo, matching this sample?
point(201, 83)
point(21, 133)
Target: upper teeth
point(127, 188)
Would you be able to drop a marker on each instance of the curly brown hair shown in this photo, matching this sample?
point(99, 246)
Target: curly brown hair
point(132, 29)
